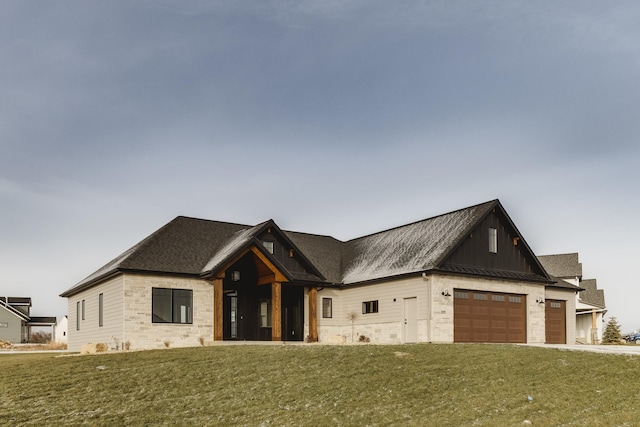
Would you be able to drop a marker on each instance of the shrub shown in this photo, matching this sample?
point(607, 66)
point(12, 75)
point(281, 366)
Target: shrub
point(612, 333)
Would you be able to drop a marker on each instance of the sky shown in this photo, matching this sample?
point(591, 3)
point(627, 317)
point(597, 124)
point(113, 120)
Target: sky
point(341, 118)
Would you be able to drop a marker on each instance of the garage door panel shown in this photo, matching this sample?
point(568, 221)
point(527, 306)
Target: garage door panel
point(489, 317)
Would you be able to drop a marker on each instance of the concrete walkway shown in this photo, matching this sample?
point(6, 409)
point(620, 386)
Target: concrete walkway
point(611, 349)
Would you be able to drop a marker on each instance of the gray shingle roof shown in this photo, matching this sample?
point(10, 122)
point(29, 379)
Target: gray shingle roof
point(411, 248)
point(562, 265)
point(196, 247)
point(591, 294)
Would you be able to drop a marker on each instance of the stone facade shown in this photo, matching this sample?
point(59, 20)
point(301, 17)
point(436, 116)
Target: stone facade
point(139, 330)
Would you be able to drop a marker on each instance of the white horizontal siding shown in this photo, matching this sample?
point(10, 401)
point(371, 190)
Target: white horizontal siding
point(90, 331)
point(385, 326)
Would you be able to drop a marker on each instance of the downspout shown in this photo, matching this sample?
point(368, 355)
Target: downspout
point(429, 305)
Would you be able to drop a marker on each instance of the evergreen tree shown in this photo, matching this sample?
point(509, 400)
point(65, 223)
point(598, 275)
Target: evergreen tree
point(612, 333)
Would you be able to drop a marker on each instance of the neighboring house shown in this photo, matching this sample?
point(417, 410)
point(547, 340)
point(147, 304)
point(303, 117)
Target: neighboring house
point(465, 276)
point(590, 305)
point(61, 330)
point(16, 321)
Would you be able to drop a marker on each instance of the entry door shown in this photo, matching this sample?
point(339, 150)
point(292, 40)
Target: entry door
point(411, 319)
point(556, 321)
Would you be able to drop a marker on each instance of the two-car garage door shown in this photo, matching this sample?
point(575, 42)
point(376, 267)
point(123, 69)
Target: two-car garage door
point(480, 316)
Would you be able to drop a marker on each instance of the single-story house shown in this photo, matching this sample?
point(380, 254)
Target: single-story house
point(16, 321)
point(464, 276)
point(590, 305)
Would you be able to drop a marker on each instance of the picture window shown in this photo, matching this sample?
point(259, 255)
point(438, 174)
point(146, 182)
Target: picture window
point(172, 305)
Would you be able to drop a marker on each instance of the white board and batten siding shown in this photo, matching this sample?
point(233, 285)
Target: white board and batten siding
point(388, 324)
point(88, 330)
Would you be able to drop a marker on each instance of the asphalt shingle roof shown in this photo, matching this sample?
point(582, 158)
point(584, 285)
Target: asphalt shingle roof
point(193, 246)
point(562, 265)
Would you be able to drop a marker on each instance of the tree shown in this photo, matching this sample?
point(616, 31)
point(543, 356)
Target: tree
point(612, 333)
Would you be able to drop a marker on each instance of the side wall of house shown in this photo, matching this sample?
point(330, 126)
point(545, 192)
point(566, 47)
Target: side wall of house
point(88, 330)
point(386, 326)
point(570, 297)
point(141, 332)
point(10, 327)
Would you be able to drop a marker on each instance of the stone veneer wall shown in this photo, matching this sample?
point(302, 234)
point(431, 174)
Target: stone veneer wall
point(141, 333)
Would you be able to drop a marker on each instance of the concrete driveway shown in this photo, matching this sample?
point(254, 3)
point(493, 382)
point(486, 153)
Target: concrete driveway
point(611, 349)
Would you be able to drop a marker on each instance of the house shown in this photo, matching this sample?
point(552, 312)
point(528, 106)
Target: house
point(60, 331)
point(16, 321)
point(464, 276)
point(590, 305)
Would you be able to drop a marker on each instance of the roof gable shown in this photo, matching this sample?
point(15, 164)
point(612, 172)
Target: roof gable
point(513, 258)
point(286, 256)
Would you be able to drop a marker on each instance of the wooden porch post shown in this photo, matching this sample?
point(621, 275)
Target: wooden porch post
point(276, 311)
point(313, 314)
point(217, 309)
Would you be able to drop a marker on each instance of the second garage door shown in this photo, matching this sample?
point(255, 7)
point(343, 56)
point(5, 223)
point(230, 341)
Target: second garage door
point(489, 317)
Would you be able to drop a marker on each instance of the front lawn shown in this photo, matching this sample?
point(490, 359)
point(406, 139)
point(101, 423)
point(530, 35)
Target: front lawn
point(314, 385)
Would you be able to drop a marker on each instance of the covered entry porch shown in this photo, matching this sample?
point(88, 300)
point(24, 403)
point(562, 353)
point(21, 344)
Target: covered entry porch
point(255, 301)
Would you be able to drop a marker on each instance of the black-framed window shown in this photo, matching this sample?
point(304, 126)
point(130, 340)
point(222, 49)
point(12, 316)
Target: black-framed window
point(100, 309)
point(82, 309)
point(327, 309)
point(493, 240)
point(172, 305)
point(370, 307)
point(269, 245)
point(78, 316)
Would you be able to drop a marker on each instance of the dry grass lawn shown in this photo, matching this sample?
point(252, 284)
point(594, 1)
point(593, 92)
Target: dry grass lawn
point(425, 384)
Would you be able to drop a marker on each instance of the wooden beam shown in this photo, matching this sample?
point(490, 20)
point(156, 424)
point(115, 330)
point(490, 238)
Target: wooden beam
point(279, 276)
point(266, 280)
point(218, 296)
point(276, 311)
point(313, 314)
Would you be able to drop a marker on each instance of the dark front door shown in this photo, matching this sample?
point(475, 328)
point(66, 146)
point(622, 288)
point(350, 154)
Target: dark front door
point(292, 313)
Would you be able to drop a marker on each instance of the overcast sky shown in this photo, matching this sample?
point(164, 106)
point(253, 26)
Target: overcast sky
point(331, 117)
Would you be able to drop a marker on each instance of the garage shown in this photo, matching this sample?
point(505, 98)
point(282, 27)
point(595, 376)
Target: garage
point(480, 316)
point(556, 322)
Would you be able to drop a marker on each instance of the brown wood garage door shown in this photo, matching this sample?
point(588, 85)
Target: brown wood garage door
point(555, 321)
point(489, 317)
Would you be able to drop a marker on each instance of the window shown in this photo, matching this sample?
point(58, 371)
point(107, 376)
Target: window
point(268, 245)
point(460, 295)
point(82, 309)
point(172, 305)
point(78, 316)
point(493, 240)
point(265, 313)
point(370, 307)
point(327, 311)
point(482, 297)
point(555, 304)
point(517, 300)
point(100, 311)
point(497, 298)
